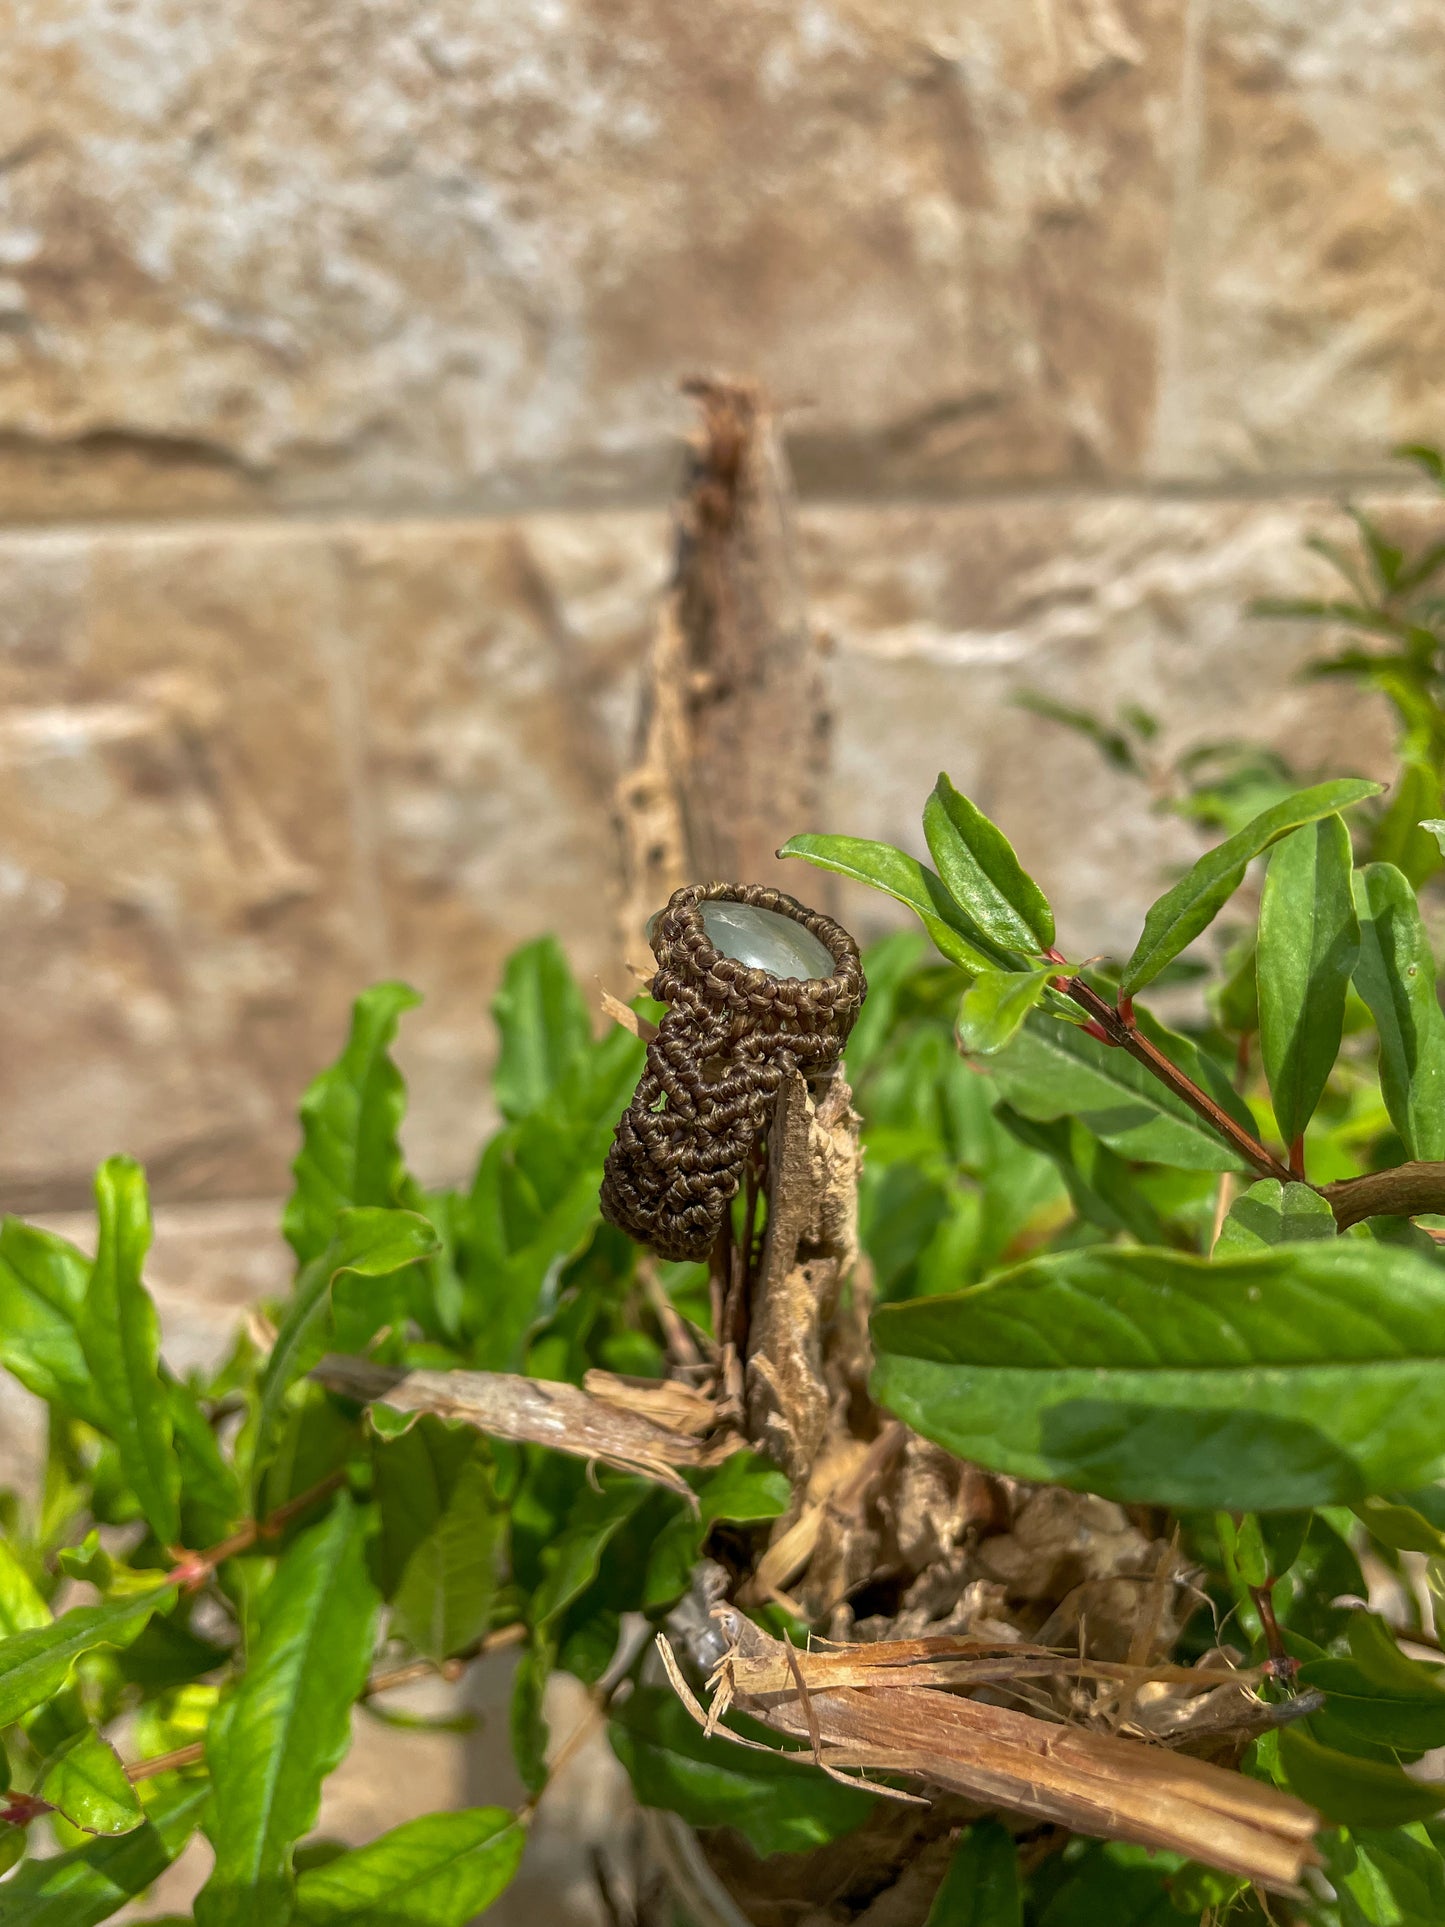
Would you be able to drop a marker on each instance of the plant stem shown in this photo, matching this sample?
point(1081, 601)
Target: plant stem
point(1120, 1030)
point(192, 1568)
point(191, 1755)
point(1409, 1188)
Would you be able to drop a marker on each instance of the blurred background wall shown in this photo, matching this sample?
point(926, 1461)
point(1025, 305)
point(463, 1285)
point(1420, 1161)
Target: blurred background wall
point(339, 343)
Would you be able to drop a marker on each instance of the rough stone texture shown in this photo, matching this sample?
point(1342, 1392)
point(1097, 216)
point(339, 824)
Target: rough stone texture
point(183, 925)
point(943, 616)
point(1310, 238)
point(452, 249)
point(244, 771)
point(297, 299)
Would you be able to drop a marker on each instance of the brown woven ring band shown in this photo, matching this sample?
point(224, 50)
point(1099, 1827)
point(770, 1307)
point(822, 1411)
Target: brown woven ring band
point(713, 1070)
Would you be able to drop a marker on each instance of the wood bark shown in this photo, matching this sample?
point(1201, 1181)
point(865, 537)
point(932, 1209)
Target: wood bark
point(733, 734)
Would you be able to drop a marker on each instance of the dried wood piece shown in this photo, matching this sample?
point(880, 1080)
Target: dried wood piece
point(878, 1710)
point(810, 1251)
point(734, 733)
point(535, 1411)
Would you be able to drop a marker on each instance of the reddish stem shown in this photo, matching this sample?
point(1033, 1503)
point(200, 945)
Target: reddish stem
point(1114, 1027)
point(192, 1569)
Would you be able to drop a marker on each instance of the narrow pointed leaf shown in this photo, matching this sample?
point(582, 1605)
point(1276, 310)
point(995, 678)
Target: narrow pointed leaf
point(289, 1722)
point(1101, 1186)
point(903, 877)
point(1309, 941)
point(1202, 892)
point(1053, 1070)
point(443, 1536)
point(1395, 974)
point(543, 1024)
point(995, 1004)
point(1378, 1694)
point(90, 1883)
point(21, 1605)
point(43, 1283)
point(1309, 1374)
point(350, 1153)
point(980, 871)
point(36, 1663)
point(367, 1244)
point(981, 1887)
point(1353, 1791)
point(573, 1561)
point(120, 1334)
point(1271, 1213)
point(433, 1872)
point(86, 1782)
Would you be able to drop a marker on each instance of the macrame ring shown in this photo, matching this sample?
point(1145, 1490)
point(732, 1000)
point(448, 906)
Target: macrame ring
point(714, 1068)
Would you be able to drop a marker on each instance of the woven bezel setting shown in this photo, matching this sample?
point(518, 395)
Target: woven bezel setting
point(712, 1073)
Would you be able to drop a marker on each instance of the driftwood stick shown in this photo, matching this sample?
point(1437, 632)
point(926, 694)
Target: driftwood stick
point(856, 1713)
point(733, 736)
point(615, 1430)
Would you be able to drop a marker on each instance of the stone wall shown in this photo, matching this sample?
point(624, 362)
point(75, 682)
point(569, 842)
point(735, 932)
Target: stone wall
point(338, 361)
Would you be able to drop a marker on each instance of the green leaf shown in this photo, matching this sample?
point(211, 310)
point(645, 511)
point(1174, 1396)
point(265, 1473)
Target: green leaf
point(544, 1026)
point(368, 1244)
point(1101, 1186)
point(903, 877)
point(1053, 1070)
point(527, 1714)
point(1395, 975)
point(88, 1884)
point(1351, 1790)
point(86, 1782)
point(120, 1335)
point(289, 1721)
point(1436, 826)
point(983, 876)
point(43, 1284)
point(350, 1116)
point(981, 1887)
point(533, 1204)
point(1388, 1879)
point(573, 1561)
point(995, 1004)
point(21, 1605)
point(433, 1872)
point(781, 1802)
point(1311, 1374)
point(1271, 1213)
point(1396, 1523)
point(36, 1663)
point(1197, 898)
point(1309, 940)
point(745, 1488)
point(210, 1491)
point(443, 1536)
point(1378, 1694)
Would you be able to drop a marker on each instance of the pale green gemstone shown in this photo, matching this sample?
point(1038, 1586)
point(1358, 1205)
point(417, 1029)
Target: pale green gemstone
point(762, 939)
point(766, 940)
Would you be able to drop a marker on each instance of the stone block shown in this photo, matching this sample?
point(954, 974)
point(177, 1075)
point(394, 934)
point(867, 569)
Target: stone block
point(462, 253)
point(1310, 243)
point(241, 778)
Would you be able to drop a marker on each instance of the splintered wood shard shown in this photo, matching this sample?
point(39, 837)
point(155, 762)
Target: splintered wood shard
point(621, 1429)
point(809, 1252)
point(733, 738)
point(887, 1710)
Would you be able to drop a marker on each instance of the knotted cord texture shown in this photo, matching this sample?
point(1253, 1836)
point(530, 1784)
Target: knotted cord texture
point(713, 1070)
